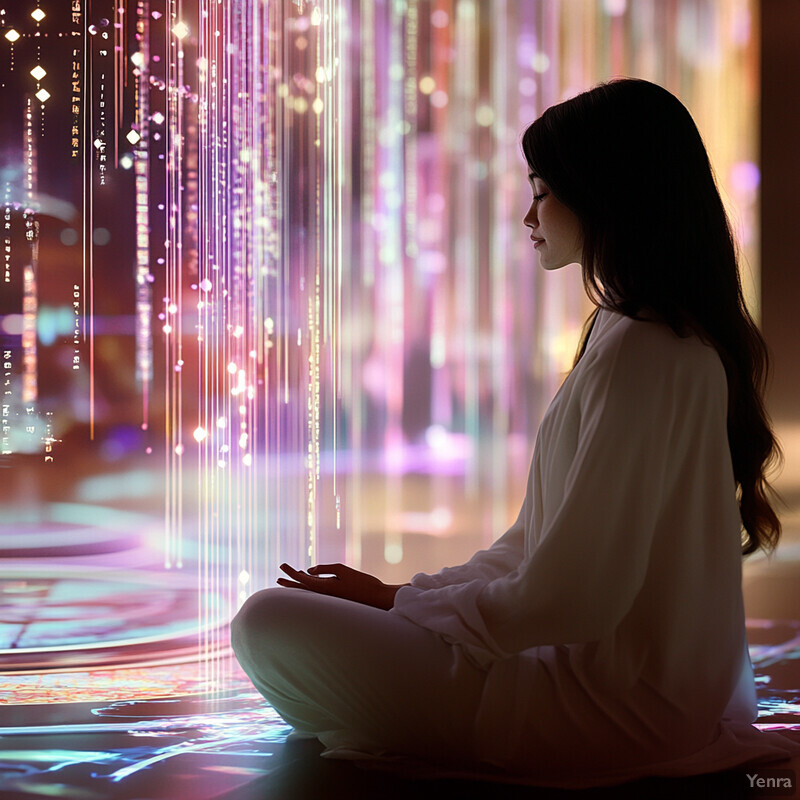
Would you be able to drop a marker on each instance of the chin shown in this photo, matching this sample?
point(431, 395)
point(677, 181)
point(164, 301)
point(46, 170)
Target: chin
point(552, 266)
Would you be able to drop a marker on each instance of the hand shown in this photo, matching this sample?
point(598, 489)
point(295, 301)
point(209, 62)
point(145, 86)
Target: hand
point(344, 582)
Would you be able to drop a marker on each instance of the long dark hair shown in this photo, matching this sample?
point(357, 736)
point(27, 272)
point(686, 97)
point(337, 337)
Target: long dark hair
point(628, 160)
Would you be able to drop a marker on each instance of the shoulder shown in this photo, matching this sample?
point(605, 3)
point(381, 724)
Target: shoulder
point(648, 357)
point(644, 344)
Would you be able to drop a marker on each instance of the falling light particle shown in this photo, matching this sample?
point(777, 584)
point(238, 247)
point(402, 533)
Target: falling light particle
point(199, 434)
point(540, 62)
point(440, 18)
point(38, 14)
point(244, 576)
point(439, 99)
point(206, 285)
point(12, 35)
point(317, 105)
point(43, 95)
point(38, 73)
point(179, 449)
point(181, 30)
point(137, 59)
point(158, 118)
point(484, 116)
point(615, 8)
point(320, 74)
point(427, 84)
point(133, 137)
point(222, 422)
point(316, 16)
point(232, 368)
point(247, 459)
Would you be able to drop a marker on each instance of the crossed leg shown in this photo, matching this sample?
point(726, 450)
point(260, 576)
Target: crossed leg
point(350, 673)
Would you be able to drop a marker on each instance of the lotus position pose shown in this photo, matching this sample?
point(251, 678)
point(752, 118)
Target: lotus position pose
point(602, 637)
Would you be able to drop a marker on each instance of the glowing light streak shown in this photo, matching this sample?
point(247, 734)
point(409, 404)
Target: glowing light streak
point(30, 301)
point(143, 275)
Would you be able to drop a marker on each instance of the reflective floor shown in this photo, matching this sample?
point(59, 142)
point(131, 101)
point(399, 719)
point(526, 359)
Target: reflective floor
point(104, 688)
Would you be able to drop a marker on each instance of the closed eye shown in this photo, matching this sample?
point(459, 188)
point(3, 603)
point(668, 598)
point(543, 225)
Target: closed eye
point(538, 197)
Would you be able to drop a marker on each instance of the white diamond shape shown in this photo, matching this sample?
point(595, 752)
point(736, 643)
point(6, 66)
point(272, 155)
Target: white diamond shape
point(133, 137)
point(38, 14)
point(181, 30)
point(43, 94)
point(38, 73)
point(12, 35)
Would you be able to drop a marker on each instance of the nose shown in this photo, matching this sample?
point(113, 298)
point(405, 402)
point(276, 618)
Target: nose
point(531, 219)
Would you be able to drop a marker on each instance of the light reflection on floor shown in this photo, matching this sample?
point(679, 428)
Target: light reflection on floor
point(102, 694)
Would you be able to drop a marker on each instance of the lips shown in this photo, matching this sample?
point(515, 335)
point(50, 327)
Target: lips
point(536, 241)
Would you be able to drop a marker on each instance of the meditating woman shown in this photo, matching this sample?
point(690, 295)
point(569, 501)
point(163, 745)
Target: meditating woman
point(602, 638)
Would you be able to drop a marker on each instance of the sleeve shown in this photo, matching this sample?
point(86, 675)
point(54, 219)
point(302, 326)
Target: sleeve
point(502, 557)
point(591, 561)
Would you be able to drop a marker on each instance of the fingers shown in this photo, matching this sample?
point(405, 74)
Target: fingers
point(303, 580)
point(329, 569)
point(290, 584)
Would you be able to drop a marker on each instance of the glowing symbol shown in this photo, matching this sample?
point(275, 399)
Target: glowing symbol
point(133, 137)
point(98, 143)
point(137, 59)
point(38, 73)
point(181, 30)
point(43, 94)
point(206, 285)
point(12, 35)
point(158, 118)
point(316, 16)
point(199, 434)
point(38, 14)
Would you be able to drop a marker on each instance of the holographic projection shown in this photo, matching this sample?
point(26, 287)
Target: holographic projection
point(267, 297)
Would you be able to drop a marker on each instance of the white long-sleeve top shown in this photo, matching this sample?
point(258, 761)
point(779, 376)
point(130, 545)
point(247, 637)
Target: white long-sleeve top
point(609, 618)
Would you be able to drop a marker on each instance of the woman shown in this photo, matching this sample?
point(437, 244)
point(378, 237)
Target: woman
point(602, 638)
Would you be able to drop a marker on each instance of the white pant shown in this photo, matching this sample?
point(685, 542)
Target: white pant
point(357, 677)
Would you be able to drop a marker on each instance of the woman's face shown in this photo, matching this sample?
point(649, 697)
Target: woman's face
point(555, 230)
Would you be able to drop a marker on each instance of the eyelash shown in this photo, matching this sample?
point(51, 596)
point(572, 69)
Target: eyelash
point(538, 197)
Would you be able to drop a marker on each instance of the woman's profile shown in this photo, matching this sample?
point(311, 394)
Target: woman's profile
point(601, 639)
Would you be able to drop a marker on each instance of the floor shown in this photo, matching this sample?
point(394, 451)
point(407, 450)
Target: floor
point(103, 676)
